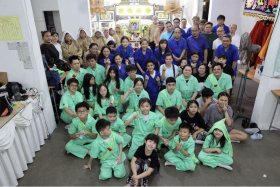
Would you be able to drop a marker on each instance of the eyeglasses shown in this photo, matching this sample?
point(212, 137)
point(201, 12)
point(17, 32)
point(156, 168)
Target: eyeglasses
point(194, 30)
point(176, 22)
point(82, 112)
point(74, 86)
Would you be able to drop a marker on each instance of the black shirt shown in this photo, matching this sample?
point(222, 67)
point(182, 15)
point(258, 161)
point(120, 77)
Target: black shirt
point(153, 158)
point(228, 70)
point(200, 79)
point(197, 120)
point(50, 51)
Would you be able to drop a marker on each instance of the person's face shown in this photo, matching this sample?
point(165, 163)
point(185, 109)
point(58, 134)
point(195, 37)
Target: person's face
point(194, 58)
point(112, 74)
point(177, 33)
point(183, 23)
point(144, 45)
point(223, 101)
point(163, 46)
point(118, 60)
point(82, 34)
point(106, 33)
point(94, 49)
point(112, 117)
point(91, 62)
point(183, 63)
point(171, 86)
point(221, 22)
point(75, 65)
point(106, 52)
point(202, 27)
point(118, 29)
point(232, 28)
point(145, 108)
point(195, 21)
point(226, 42)
point(132, 74)
point(218, 134)
point(150, 145)
point(168, 60)
point(103, 91)
point(176, 23)
point(155, 19)
point(55, 38)
point(160, 26)
point(201, 69)
point(220, 32)
point(217, 70)
point(92, 81)
point(112, 47)
point(195, 32)
point(172, 121)
point(169, 27)
point(193, 108)
point(139, 86)
point(150, 66)
point(68, 38)
point(73, 87)
point(106, 131)
point(112, 32)
point(47, 37)
point(124, 43)
point(82, 112)
point(184, 133)
point(98, 34)
point(208, 28)
point(187, 71)
point(222, 60)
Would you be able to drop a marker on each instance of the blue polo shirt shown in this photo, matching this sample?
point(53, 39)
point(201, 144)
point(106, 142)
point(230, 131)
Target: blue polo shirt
point(183, 34)
point(122, 72)
point(189, 32)
point(111, 57)
point(202, 44)
point(126, 54)
point(226, 29)
point(231, 53)
point(140, 58)
point(177, 47)
point(166, 35)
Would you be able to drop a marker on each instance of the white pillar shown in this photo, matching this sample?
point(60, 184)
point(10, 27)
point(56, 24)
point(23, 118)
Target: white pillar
point(266, 101)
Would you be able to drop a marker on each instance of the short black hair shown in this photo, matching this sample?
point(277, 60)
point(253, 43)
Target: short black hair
point(91, 56)
point(195, 53)
point(191, 102)
point(124, 38)
point(202, 21)
point(223, 94)
point(149, 61)
point(217, 64)
point(168, 22)
point(117, 54)
point(143, 40)
point(137, 80)
point(152, 137)
point(44, 32)
point(111, 42)
point(207, 92)
point(171, 112)
point(222, 56)
point(93, 44)
point(111, 110)
point(144, 100)
point(54, 32)
point(222, 17)
point(73, 57)
point(170, 80)
point(130, 67)
point(185, 125)
point(80, 105)
point(168, 54)
point(101, 125)
point(176, 19)
point(69, 81)
point(209, 23)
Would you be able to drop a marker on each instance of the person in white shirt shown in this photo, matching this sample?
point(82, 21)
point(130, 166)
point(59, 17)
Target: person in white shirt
point(218, 41)
point(108, 37)
point(184, 24)
point(57, 45)
point(234, 37)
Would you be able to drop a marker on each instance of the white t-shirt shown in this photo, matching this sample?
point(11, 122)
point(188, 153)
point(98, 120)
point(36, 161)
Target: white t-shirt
point(169, 72)
point(236, 40)
point(216, 43)
point(58, 48)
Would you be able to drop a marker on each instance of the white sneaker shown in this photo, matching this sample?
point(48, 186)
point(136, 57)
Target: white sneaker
point(233, 141)
point(168, 163)
point(67, 126)
point(225, 166)
point(199, 141)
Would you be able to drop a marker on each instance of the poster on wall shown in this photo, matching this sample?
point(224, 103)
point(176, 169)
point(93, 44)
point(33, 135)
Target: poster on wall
point(109, 16)
point(263, 9)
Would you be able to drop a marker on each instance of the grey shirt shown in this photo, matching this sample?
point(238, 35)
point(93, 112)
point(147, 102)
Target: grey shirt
point(213, 115)
point(201, 103)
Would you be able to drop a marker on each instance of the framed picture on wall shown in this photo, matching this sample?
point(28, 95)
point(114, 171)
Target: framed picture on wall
point(109, 16)
point(135, 26)
point(161, 15)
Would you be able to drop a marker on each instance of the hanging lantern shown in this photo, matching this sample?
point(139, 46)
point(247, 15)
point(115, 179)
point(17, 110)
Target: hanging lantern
point(172, 7)
point(97, 6)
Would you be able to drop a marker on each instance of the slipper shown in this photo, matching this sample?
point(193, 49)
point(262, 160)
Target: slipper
point(256, 136)
point(252, 130)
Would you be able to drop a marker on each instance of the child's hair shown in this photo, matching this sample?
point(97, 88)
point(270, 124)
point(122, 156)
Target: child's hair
point(72, 80)
point(101, 125)
point(130, 67)
point(99, 96)
point(92, 44)
point(195, 53)
point(184, 58)
point(111, 42)
point(144, 40)
point(153, 138)
point(185, 125)
point(117, 54)
point(91, 56)
point(222, 56)
point(137, 80)
point(73, 57)
point(203, 64)
point(207, 92)
point(124, 38)
point(222, 140)
point(167, 50)
point(101, 55)
point(209, 23)
point(188, 65)
point(192, 102)
point(217, 64)
point(171, 112)
point(223, 94)
point(86, 85)
point(150, 61)
point(168, 54)
point(170, 80)
point(54, 32)
point(111, 110)
point(80, 105)
point(144, 100)
point(117, 78)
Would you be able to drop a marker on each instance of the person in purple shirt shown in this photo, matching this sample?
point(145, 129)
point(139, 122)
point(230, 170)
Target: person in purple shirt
point(196, 42)
point(176, 24)
point(125, 50)
point(141, 55)
point(105, 56)
point(231, 51)
point(121, 67)
point(195, 20)
point(159, 54)
point(221, 20)
point(177, 46)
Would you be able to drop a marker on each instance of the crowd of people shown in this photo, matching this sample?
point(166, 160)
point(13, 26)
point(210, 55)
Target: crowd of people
point(174, 91)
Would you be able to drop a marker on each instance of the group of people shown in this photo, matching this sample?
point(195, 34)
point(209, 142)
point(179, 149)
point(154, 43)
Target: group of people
point(173, 91)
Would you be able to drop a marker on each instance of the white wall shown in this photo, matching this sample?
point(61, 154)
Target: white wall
point(73, 15)
point(10, 61)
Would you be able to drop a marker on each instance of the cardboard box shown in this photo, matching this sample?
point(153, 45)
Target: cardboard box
point(3, 78)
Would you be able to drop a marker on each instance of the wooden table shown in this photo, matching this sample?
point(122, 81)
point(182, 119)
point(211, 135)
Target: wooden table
point(277, 93)
point(250, 75)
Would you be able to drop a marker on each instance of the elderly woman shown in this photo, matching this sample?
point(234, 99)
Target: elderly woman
point(107, 35)
point(70, 47)
point(99, 38)
point(84, 40)
point(116, 37)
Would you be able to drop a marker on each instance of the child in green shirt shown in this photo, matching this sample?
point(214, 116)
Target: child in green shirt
point(89, 91)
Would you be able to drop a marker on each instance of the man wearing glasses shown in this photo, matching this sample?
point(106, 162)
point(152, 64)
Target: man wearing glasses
point(195, 20)
point(218, 41)
point(176, 24)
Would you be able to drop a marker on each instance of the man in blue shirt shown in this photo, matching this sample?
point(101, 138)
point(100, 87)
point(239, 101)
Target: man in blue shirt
point(169, 31)
point(195, 20)
point(196, 42)
point(229, 50)
point(176, 24)
point(221, 20)
point(178, 46)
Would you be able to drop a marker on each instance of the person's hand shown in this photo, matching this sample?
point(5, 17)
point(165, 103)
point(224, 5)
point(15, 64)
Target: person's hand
point(126, 61)
point(114, 88)
point(224, 108)
point(147, 77)
point(194, 136)
point(77, 135)
point(83, 132)
point(179, 147)
point(87, 167)
point(136, 115)
point(135, 179)
point(64, 60)
point(194, 65)
point(184, 103)
point(157, 79)
point(218, 150)
point(74, 114)
point(164, 68)
point(179, 68)
point(112, 102)
point(107, 62)
point(166, 142)
point(130, 89)
point(84, 44)
point(156, 45)
point(196, 128)
point(119, 159)
point(142, 71)
point(208, 100)
point(210, 65)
